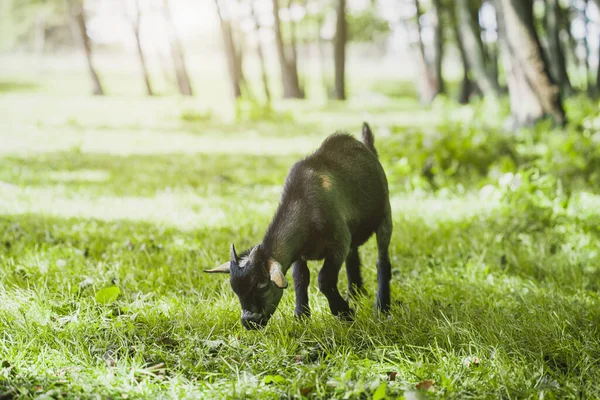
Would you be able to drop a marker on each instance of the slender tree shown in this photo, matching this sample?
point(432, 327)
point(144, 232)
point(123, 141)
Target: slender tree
point(260, 53)
point(430, 75)
point(77, 11)
point(287, 62)
point(466, 86)
point(470, 39)
point(438, 46)
point(135, 21)
point(341, 37)
point(234, 61)
point(183, 80)
point(556, 57)
point(588, 50)
point(533, 94)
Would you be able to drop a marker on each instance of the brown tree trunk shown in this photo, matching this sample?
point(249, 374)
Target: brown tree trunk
point(289, 71)
point(78, 13)
point(322, 60)
point(532, 93)
point(429, 87)
point(588, 68)
point(438, 50)
point(556, 57)
point(340, 51)
point(231, 53)
point(260, 53)
point(135, 26)
point(466, 86)
point(183, 80)
point(470, 37)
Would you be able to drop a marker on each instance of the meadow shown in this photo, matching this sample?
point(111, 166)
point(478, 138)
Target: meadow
point(110, 209)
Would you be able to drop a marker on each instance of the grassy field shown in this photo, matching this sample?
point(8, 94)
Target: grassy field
point(496, 278)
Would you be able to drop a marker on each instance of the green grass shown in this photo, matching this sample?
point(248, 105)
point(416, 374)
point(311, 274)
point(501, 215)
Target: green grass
point(495, 292)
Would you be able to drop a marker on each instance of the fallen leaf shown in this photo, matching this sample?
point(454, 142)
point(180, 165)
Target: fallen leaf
point(298, 359)
point(306, 391)
point(274, 379)
point(392, 375)
point(380, 393)
point(108, 295)
point(427, 384)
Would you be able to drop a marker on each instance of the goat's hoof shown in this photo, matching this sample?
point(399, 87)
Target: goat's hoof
point(303, 315)
point(346, 316)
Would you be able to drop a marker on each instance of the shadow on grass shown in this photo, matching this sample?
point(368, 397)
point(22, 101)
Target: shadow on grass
point(145, 175)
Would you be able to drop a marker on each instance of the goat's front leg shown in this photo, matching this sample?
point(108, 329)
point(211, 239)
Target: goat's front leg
point(328, 277)
point(301, 276)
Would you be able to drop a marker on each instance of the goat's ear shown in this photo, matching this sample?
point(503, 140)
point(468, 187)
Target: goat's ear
point(224, 268)
point(277, 276)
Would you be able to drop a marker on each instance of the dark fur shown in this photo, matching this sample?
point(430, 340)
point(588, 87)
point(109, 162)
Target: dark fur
point(332, 202)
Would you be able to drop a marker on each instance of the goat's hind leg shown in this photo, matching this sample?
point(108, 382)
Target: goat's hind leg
point(301, 276)
point(384, 267)
point(355, 283)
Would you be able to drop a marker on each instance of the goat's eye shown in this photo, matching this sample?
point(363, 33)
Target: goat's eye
point(263, 287)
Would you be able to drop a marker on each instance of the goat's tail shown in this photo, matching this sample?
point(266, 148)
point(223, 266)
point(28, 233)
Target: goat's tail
point(367, 138)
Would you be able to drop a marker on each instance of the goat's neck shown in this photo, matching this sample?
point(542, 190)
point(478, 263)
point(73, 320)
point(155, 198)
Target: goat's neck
point(285, 236)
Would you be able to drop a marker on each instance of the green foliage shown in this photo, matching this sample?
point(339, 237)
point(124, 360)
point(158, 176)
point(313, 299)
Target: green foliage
point(108, 295)
point(366, 26)
point(252, 110)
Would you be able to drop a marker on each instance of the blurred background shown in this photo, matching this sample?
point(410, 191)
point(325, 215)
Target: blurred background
point(265, 50)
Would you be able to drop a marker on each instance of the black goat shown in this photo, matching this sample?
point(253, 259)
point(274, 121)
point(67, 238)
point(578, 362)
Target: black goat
point(332, 202)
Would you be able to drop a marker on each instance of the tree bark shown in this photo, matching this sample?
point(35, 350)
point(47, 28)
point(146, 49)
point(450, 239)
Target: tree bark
point(233, 63)
point(135, 26)
point(556, 57)
point(470, 37)
point(78, 13)
point(588, 68)
point(466, 86)
point(183, 80)
point(322, 58)
point(438, 43)
point(340, 51)
point(533, 94)
point(429, 85)
point(289, 71)
point(260, 54)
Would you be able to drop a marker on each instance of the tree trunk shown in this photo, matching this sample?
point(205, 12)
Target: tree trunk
point(289, 71)
point(39, 41)
point(470, 37)
point(556, 57)
point(340, 51)
point(322, 60)
point(532, 93)
point(260, 53)
point(78, 13)
point(143, 63)
point(135, 25)
point(466, 86)
point(588, 68)
point(231, 53)
point(438, 47)
point(183, 80)
point(428, 86)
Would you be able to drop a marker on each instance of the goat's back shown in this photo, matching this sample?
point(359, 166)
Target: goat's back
point(342, 181)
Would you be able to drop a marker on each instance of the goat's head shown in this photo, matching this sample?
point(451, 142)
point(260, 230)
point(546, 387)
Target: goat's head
point(258, 281)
